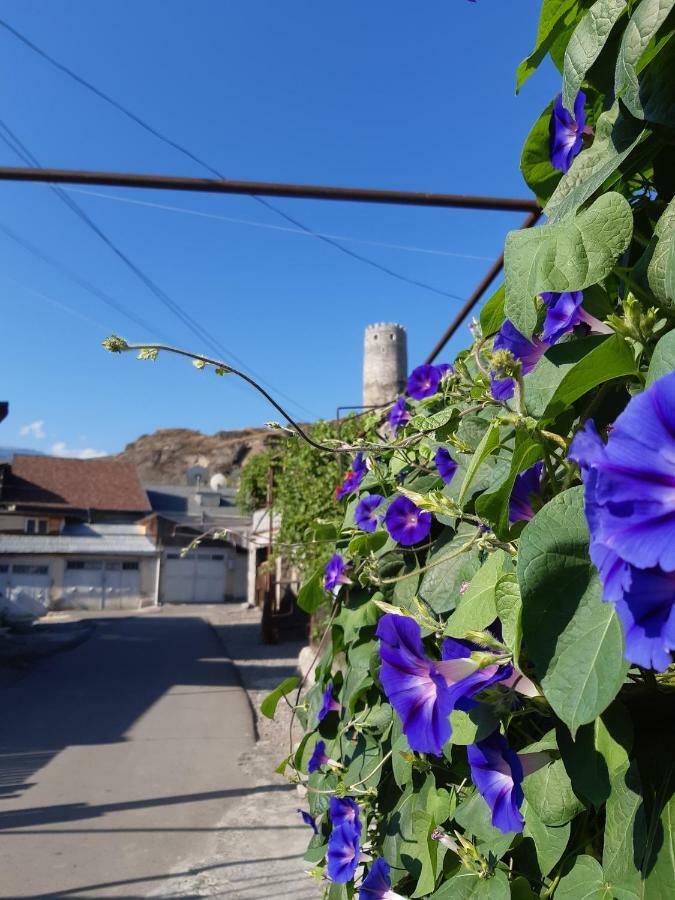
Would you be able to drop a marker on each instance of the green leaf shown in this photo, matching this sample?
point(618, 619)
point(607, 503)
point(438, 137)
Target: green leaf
point(488, 445)
point(625, 829)
point(521, 890)
point(470, 886)
point(535, 161)
point(554, 18)
point(568, 256)
point(361, 613)
point(435, 421)
point(492, 314)
point(494, 507)
point(440, 584)
point(311, 595)
point(574, 640)
point(549, 842)
point(585, 45)
point(269, 705)
point(474, 815)
point(642, 27)
point(365, 544)
point(510, 612)
point(616, 136)
point(657, 262)
point(472, 726)
point(663, 358)
point(363, 760)
point(659, 862)
point(607, 359)
point(477, 608)
point(586, 881)
point(549, 793)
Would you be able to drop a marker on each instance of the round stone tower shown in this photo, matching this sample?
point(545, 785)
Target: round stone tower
point(385, 363)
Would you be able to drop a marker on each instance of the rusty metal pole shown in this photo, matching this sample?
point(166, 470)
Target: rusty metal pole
point(484, 284)
point(265, 189)
point(267, 627)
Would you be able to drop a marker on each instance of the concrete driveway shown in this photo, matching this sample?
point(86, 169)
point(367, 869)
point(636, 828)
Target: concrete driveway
point(119, 764)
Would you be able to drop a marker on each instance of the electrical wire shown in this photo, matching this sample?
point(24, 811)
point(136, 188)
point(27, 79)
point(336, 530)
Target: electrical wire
point(266, 225)
point(12, 140)
point(181, 148)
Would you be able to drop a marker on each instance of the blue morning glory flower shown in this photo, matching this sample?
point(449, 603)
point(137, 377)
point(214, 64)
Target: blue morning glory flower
point(318, 758)
point(377, 883)
point(629, 495)
point(407, 523)
point(423, 381)
point(344, 841)
point(526, 485)
point(329, 703)
point(335, 573)
point(309, 820)
point(566, 132)
point(398, 414)
point(365, 512)
point(528, 352)
point(498, 775)
point(564, 312)
point(422, 691)
point(354, 477)
point(445, 370)
point(445, 464)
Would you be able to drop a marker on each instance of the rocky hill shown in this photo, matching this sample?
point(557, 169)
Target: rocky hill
point(164, 456)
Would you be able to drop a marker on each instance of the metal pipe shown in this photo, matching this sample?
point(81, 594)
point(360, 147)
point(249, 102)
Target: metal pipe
point(484, 284)
point(266, 189)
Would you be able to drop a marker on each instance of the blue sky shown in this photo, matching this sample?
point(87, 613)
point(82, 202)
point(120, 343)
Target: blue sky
point(379, 94)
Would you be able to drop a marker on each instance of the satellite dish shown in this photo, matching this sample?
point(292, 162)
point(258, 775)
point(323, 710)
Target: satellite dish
point(218, 482)
point(197, 475)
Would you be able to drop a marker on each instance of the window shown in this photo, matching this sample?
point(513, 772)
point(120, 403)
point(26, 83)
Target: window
point(130, 566)
point(4, 569)
point(37, 526)
point(113, 567)
point(81, 564)
point(30, 570)
point(218, 556)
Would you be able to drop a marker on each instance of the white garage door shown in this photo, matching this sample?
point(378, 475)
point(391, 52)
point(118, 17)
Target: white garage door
point(198, 577)
point(24, 587)
point(100, 584)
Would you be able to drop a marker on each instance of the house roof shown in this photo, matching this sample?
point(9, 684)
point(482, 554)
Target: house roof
point(82, 540)
point(55, 482)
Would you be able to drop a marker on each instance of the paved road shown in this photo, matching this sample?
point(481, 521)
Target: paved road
point(118, 760)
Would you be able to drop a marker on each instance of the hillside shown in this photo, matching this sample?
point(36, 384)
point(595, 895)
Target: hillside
point(164, 456)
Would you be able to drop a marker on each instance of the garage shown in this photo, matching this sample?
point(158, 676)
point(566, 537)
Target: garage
point(101, 583)
point(24, 587)
point(197, 577)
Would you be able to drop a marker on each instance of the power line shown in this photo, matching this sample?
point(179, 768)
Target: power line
point(266, 225)
point(14, 142)
point(201, 162)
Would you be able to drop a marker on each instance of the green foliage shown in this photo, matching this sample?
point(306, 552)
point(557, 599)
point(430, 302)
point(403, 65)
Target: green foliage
point(593, 733)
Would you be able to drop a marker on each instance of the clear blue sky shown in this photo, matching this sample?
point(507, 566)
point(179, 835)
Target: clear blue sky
point(384, 93)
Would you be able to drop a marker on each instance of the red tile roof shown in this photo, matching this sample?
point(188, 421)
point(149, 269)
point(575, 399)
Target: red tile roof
point(100, 484)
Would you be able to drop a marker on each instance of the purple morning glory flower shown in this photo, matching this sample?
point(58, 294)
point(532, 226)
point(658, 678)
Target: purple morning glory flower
point(329, 704)
point(445, 464)
point(398, 414)
point(526, 484)
point(377, 883)
point(318, 758)
point(354, 477)
point(498, 775)
point(423, 381)
point(365, 516)
point(647, 613)
point(422, 691)
point(407, 523)
point(343, 853)
point(343, 843)
point(445, 370)
point(309, 820)
point(566, 132)
point(528, 352)
point(564, 313)
point(335, 573)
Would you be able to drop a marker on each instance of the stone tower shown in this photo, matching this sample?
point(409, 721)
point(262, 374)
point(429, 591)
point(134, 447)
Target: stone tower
point(385, 363)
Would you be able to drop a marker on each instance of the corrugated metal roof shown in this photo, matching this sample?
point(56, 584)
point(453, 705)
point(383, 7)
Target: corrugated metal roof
point(86, 540)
